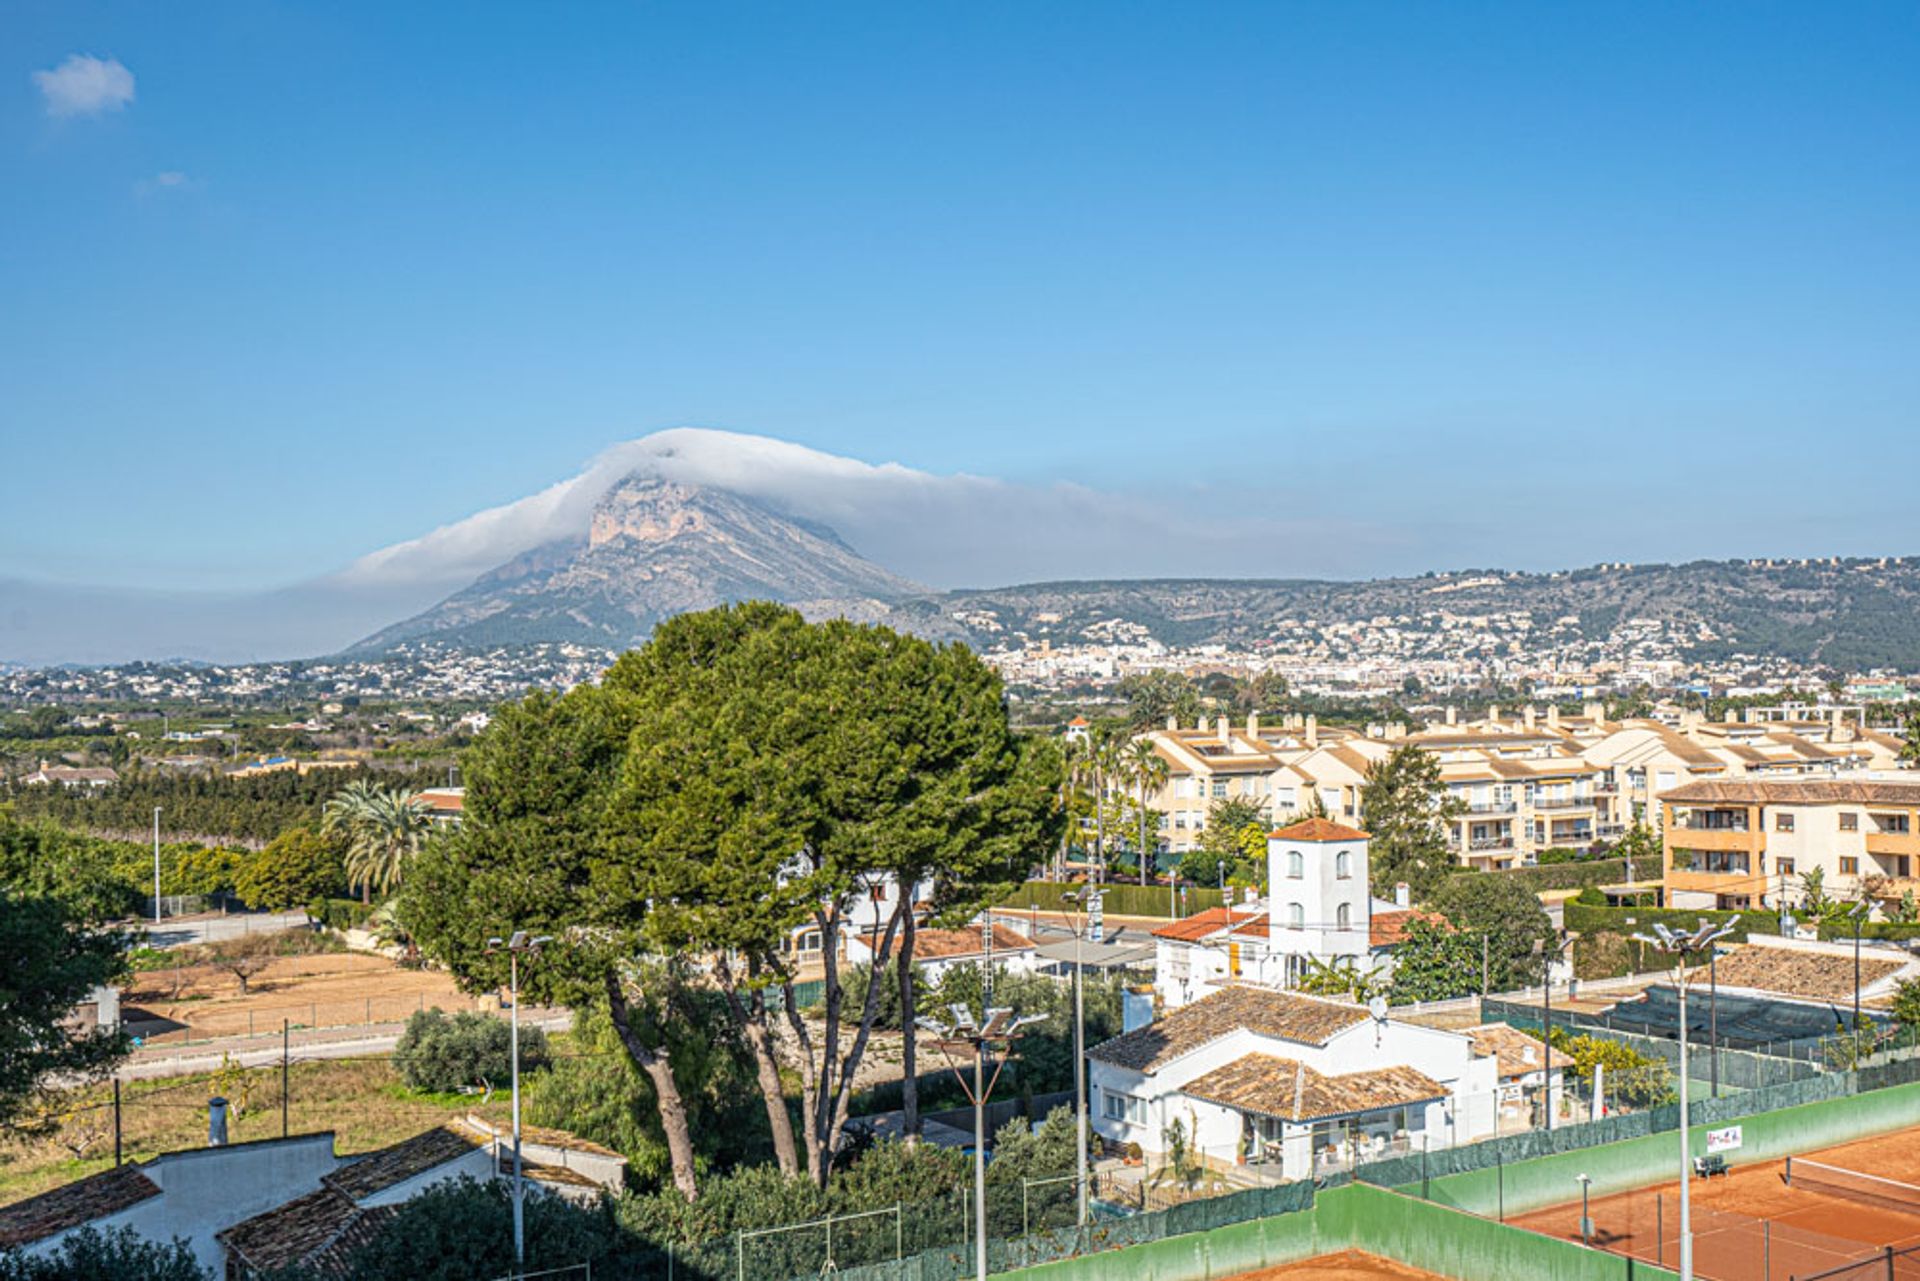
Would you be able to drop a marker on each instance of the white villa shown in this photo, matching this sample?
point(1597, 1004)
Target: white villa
point(1295, 1085)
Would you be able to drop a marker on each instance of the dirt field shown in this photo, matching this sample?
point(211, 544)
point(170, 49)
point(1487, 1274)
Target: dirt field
point(1348, 1265)
point(327, 990)
point(1750, 1223)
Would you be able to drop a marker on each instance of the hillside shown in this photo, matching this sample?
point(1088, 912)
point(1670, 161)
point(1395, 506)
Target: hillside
point(1851, 614)
point(653, 549)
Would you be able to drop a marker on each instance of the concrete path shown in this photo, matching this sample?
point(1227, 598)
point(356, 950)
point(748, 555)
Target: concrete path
point(154, 1061)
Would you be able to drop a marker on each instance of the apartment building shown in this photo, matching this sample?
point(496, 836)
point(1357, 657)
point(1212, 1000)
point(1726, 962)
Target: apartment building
point(1750, 842)
point(1217, 760)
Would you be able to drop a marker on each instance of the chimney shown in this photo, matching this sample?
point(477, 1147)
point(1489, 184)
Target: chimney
point(1173, 722)
point(1493, 713)
point(1553, 716)
point(216, 1122)
point(1527, 716)
point(1402, 894)
point(1596, 712)
point(1453, 714)
point(1253, 725)
point(1220, 727)
point(1313, 730)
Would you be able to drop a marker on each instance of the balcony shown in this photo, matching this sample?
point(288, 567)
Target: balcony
point(1493, 807)
point(1711, 838)
point(1489, 844)
point(1892, 842)
point(1564, 803)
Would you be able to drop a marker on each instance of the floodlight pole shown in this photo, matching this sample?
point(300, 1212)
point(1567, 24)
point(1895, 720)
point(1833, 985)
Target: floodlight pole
point(518, 943)
point(979, 1161)
point(1677, 945)
point(156, 867)
point(1075, 898)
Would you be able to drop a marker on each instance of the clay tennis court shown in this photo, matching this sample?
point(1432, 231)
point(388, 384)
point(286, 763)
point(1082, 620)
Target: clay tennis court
point(1348, 1265)
point(1750, 1223)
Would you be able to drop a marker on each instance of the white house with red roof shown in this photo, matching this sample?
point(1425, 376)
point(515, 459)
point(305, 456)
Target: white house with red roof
point(1318, 909)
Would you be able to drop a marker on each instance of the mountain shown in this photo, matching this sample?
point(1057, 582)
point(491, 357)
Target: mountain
point(1848, 613)
point(654, 548)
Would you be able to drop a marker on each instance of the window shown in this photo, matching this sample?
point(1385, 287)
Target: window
point(1343, 865)
point(1784, 866)
point(1849, 822)
point(1219, 787)
point(1343, 916)
point(1296, 865)
point(1296, 916)
point(1126, 1108)
point(1283, 796)
point(1849, 865)
point(1783, 822)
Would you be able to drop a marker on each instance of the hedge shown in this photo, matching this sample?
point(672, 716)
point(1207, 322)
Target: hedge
point(1576, 875)
point(340, 913)
point(1898, 931)
point(1582, 919)
point(1118, 899)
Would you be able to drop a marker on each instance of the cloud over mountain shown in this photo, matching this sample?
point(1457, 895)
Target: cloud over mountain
point(947, 530)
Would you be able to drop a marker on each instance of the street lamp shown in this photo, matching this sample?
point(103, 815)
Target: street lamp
point(1547, 956)
point(520, 944)
point(156, 866)
point(1677, 944)
point(1586, 1220)
point(998, 1027)
point(1090, 899)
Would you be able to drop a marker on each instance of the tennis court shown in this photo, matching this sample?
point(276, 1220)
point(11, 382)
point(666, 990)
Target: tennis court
point(1348, 1265)
point(1847, 1213)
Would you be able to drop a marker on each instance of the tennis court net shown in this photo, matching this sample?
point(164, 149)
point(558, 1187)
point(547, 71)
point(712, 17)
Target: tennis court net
point(1855, 1185)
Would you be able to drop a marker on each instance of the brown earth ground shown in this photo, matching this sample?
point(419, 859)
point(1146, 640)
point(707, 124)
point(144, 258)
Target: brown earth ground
point(1805, 1230)
point(331, 989)
point(1348, 1265)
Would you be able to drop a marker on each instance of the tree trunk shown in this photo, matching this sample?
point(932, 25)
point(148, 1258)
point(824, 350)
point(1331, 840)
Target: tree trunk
point(673, 1109)
point(909, 1051)
point(750, 1012)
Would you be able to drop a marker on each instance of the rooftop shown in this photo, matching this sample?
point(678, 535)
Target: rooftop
point(377, 1171)
point(1512, 1048)
point(1317, 829)
point(1291, 1091)
point(1284, 1016)
point(1820, 976)
point(1754, 791)
point(81, 1201)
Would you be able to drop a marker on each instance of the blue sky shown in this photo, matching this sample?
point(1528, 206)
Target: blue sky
point(1448, 285)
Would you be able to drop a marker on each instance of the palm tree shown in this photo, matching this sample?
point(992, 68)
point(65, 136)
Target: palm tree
point(1147, 771)
point(384, 828)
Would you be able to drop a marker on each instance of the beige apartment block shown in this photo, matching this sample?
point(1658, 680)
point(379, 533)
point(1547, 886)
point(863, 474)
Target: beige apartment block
point(1750, 842)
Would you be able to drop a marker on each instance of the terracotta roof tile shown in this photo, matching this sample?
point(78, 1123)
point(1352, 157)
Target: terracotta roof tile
point(1754, 791)
point(1291, 1091)
point(1198, 926)
point(1821, 976)
point(1318, 829)
point(377, 1171)
point(1510, 1047)
point(1389, 929)
point(1284, 1015)
point(937, 945)
point(298, 1231)
point(73, 1204)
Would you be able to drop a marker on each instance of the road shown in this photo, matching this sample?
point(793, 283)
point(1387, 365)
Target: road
point(181, 931)
point(154, 1061)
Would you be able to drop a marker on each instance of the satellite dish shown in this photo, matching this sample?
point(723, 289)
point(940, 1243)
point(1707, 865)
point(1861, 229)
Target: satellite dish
point(1377, 1007)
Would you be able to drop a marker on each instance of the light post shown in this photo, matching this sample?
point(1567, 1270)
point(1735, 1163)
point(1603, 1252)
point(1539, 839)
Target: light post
point(520, 944)
point(1586, 1220)
point(1713, 1016)
point(1677, 945)
point(1091, 898)
point(156, 867)
point(1547, 956)
point(998, 1027)
point(1858, 912)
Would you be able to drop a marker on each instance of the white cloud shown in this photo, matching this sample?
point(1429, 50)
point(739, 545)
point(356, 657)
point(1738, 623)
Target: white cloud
point(167, 180)
point(951, 530)
point(84, 85)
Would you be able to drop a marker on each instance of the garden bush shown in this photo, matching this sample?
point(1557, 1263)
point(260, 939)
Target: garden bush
point(443, 1054)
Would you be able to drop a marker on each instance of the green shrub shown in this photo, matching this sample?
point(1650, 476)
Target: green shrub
point(1591, 896)
point(443, 1054)
point(1841, 928)
point(1582, 919)
point(117, 1255)
point(340, 913)
point(1119, 899)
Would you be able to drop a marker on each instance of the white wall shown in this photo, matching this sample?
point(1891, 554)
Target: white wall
point(476, 1165)
point(207, 1190)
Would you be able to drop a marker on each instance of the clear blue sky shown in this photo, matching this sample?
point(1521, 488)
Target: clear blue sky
point(1545, 283)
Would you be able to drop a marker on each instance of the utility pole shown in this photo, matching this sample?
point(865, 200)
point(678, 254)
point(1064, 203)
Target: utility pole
point(286, 1091)
point(518, 945)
